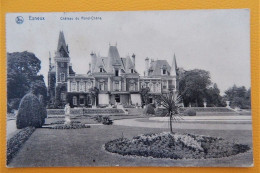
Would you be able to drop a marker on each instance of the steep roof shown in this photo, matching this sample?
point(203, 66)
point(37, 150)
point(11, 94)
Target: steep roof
point(62, 43)
point(174, 66)
point(100, 62)
point(156, 66)
point(129, 64)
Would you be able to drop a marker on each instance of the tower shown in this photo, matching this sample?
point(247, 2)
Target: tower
point(62, 60)
point(62, 63)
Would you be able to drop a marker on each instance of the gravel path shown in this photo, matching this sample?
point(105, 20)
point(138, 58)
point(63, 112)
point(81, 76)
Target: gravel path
point(182, 125)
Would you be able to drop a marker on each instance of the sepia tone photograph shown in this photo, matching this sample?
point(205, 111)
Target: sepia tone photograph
point(132, 88)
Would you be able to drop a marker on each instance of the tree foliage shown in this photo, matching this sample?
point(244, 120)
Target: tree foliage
point(171, 101)
point(144, 92)
point(239, 97)
point(94, 95)
point(22, 70)
point(193, 86)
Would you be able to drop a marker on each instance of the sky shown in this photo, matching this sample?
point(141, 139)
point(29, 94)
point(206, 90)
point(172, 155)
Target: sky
point(214, 40)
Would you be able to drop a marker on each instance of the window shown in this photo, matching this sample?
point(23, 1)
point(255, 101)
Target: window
point(132, 87)
point(116, 86)
point(117, 98)
point(82, 100)
point(63, 96)
point(73, 86)
point(101, 86)
point(81, 86)
point(100, 70)
point(62, 64)
point(117, 72)
point(62, 77)
point(88, 85)
point(164, 83)
point(132, 70)
point(74, 100)
point(164, 72)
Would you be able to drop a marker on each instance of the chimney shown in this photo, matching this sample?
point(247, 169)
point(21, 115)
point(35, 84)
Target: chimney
point(146, 66)
point(93, 61)
point(152, 60)
point(133, 59)
point(89, 66)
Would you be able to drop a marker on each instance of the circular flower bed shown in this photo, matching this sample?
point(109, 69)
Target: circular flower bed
point(71, 126)
point(175, 146)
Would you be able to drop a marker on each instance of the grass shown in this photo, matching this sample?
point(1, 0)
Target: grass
point(84, 147)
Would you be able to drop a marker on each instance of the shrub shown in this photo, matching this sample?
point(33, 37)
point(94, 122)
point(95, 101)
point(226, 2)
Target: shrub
point(189, 112)
point(107, 121)
point(31, 112)
point(149, 109)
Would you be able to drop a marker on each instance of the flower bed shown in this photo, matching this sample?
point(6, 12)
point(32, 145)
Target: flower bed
point(70, 126)
point(208, 109)
point(15, 143)
point(86, 111)
point(63, 121)
point(175, 146)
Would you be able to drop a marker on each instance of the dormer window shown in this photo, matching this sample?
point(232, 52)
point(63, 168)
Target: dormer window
point(116, 72)
point(164, 72)
point(101, 70)
point(132, 70)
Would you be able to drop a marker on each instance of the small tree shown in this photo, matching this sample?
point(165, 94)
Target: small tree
point(94, 94)
point(144, 92)
point(171, 102)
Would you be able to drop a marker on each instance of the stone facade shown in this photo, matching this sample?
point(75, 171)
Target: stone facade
point(115, 77)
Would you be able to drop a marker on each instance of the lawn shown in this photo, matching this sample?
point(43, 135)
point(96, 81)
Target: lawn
point(84, 147)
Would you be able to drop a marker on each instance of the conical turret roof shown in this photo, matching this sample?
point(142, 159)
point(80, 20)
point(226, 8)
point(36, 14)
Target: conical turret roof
point(62, 43)
point(174, 66)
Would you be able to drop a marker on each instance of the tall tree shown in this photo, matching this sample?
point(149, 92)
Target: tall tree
point(193, 86)
point(239, 97)
point(22, 70)
point(213, 97)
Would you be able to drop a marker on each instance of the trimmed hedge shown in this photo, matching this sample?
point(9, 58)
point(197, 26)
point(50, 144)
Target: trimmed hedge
point(31, 112)
point(79, 111)
point(15, 143)
point(189, 112)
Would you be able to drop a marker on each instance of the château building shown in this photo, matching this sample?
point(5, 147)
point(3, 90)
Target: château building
point(115, 77)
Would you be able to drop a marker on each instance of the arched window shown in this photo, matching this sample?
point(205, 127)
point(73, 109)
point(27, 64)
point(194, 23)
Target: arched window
point(132, 87)
point(62, 77)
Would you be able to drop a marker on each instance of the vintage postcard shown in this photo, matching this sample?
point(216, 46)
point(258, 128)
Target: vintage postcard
point(132, 88)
